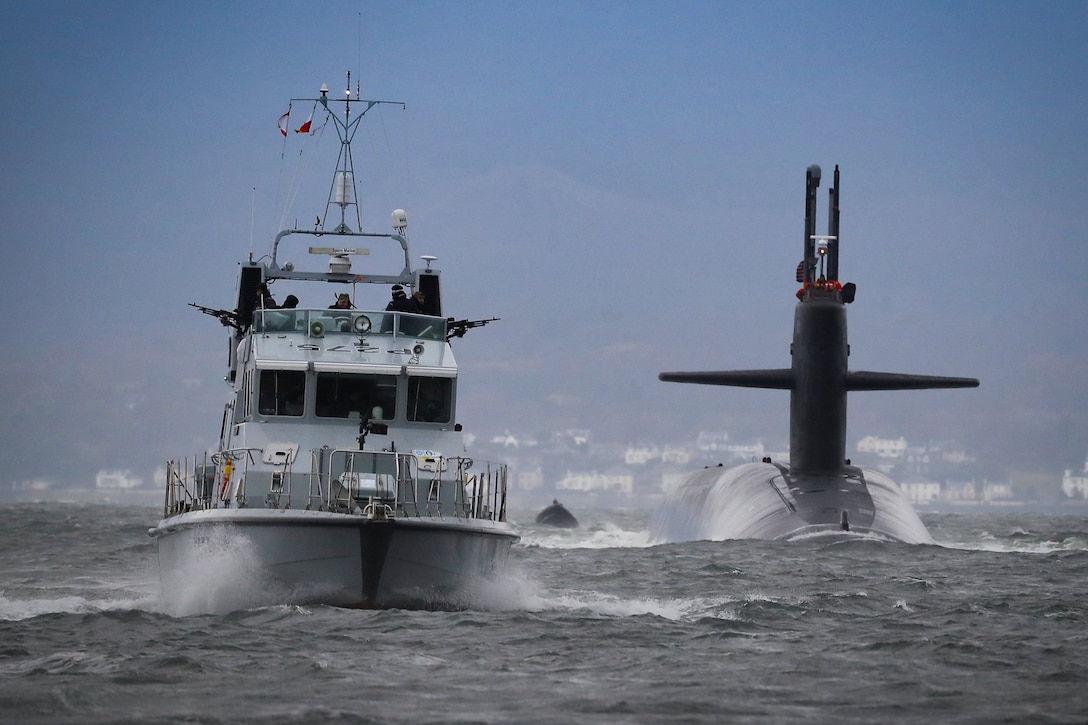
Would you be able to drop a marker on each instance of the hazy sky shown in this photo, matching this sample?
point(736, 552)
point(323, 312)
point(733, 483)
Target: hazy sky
point(621, 182)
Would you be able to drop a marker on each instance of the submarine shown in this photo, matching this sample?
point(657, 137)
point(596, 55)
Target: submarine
point(818, 493)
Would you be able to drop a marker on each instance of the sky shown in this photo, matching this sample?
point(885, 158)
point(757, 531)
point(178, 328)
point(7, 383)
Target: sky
point(622, 183)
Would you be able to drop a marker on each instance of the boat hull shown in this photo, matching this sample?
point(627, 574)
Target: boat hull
point(236, 558)
point(558, 516)
point(764, 501)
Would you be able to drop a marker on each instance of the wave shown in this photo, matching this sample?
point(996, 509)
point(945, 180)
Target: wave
point(1003, 546)
point(13, 609)
point(600, 536)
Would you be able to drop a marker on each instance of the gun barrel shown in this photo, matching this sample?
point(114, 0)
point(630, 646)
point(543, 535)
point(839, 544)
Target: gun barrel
point(458, 328)
point(226, 317)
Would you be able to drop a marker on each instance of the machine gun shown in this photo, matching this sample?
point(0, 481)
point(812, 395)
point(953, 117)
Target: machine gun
point(228, 319)
point(458, 328)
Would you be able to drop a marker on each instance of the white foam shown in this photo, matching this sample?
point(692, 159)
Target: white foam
point(601, 536)
point(515, 591)
point(987, 542)
point(14, 609)
point(220, 575)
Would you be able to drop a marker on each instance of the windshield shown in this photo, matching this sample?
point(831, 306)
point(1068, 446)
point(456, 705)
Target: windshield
point(351, 395)
point(318, 323)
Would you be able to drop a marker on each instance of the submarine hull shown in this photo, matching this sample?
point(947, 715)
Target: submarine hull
point(766, 501)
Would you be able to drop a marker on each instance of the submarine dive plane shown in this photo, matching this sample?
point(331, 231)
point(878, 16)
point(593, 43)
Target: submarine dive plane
point(819, 493)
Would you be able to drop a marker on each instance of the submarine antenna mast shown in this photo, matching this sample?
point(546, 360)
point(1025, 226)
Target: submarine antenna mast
point(833, 228)
point(812, 183)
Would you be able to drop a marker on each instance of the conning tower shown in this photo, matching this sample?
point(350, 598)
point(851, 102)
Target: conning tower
point(818, 378)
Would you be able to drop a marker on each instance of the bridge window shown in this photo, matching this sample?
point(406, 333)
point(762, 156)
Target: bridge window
point(422, 327)
point(344, 395)
point(282, 392)
point(430, 399)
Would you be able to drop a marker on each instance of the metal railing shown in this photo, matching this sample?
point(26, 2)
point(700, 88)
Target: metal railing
point(205, 481)
point(377, 484)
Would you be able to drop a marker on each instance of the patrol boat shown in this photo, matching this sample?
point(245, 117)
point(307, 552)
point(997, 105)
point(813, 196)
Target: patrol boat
point(341, 476)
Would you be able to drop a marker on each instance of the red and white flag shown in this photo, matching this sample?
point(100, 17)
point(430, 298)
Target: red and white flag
point(304, 128)
point(283, 123)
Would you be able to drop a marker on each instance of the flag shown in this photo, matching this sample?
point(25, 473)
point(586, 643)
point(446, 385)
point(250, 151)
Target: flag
point(283, 123)
point(305, 128)
point(801, 271)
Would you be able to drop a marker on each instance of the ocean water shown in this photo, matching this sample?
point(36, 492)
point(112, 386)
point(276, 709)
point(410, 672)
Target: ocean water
point(587, 625)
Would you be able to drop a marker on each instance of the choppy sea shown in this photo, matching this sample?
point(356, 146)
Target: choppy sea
point(586, 625)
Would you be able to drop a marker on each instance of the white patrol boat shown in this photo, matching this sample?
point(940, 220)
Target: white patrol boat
point(341, 475)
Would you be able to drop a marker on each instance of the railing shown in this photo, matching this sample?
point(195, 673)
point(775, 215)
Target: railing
point(377, 484)
point(205, 481)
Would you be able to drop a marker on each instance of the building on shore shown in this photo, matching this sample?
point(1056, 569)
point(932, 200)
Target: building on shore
point(1076, 486)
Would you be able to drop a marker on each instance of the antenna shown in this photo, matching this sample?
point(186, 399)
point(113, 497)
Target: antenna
point(343, 192)
point(833, 228)
point(812, 182)
point(252, 214)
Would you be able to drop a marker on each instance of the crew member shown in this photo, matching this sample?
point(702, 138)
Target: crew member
point(264, 298)
point(400, 301)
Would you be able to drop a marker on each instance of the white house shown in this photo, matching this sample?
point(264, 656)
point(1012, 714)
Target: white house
point(641, 454)
point(707, 442)
point(675, 454)
point(883, 447)
point(1076, 486)
point(616, 483)
point(921, 492)
point(116, 480)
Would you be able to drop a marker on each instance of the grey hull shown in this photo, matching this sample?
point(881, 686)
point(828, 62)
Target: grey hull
point(763, 501)
point(321, 558)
